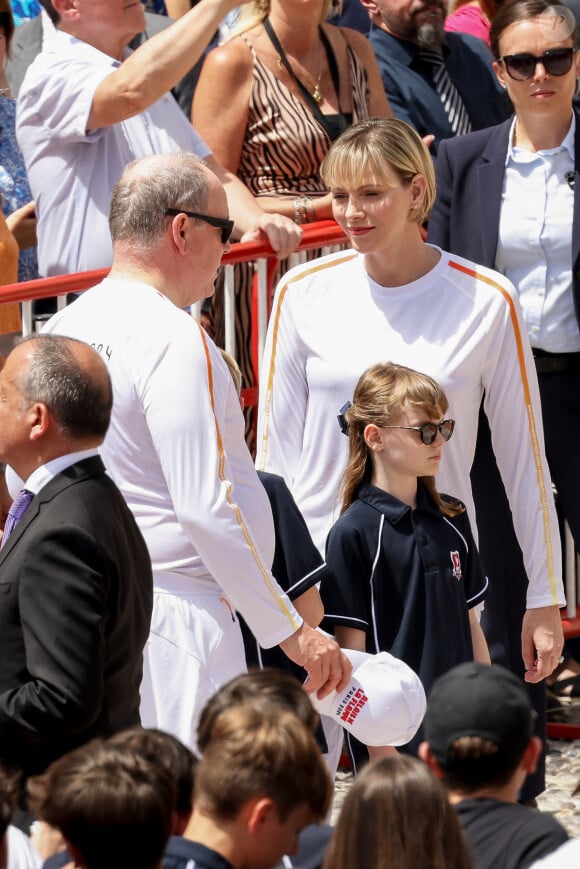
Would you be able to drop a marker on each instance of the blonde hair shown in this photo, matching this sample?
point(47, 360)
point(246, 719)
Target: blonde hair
point(367, 147)
point(253, 13)
point(379, 397)
point(397, 816)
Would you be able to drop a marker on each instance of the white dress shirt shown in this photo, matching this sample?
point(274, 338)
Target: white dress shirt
point(72, 171)
point(534, 247)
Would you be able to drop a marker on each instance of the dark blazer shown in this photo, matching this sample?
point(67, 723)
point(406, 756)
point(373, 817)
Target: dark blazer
point(76, 594)
point(409, 85)
point(465, 219)
point(352, 14)
point(27, 43)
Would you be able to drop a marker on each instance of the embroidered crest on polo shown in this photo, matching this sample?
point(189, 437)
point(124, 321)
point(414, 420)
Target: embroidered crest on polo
point(456, 564)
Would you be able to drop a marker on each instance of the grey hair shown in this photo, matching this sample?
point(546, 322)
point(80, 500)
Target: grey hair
point(147, 188)
point(80, 400)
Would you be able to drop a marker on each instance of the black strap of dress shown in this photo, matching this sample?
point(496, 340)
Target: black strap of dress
point(334, 124)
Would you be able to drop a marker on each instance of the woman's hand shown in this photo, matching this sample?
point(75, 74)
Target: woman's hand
point(282, 233)
point(22, 225)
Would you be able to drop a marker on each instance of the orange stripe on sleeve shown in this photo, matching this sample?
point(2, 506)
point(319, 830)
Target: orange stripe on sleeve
point(266, 575)
point(530, 412)
point(267, 408)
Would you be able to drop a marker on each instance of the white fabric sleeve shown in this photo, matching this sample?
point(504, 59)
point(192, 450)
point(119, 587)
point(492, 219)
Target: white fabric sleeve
point(197, 430)
point(60, 99)
point(283, 393)
point(511, 393)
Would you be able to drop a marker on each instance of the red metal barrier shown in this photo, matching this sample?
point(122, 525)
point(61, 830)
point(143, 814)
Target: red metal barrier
point(316, 235)
point(325, 232)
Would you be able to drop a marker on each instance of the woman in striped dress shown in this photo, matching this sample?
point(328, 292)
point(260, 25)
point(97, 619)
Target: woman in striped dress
point(282, 89)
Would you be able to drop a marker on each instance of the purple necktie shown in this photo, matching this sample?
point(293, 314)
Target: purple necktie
point(16, 512)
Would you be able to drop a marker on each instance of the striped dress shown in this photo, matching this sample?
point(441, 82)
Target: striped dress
point(282, 152)
point(284, 144)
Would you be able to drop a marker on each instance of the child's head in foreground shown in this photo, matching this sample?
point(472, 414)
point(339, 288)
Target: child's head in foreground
point(113, 807)
point(397, 815)
point(262, 779)
point(478, 727)
point(263, 689)
point(179, 761)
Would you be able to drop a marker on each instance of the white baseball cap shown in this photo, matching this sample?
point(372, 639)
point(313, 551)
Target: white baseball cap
point(383, 704)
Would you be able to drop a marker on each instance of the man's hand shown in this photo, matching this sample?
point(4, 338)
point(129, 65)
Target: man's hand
point(327, 667)
point(252, 222)
point(282, 233)
point(542, 642)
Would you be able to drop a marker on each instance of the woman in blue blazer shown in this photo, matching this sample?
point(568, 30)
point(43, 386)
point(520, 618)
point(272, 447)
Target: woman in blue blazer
point(507, 199)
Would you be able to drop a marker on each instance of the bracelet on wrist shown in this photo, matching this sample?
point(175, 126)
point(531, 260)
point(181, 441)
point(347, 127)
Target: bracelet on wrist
point(303, 210)
point(297, 212)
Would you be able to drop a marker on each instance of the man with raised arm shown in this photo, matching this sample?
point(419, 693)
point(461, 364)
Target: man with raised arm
point(88, 106)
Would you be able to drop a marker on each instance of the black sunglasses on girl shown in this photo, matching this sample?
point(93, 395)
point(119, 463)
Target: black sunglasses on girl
point(521, 67)
point(428, 431)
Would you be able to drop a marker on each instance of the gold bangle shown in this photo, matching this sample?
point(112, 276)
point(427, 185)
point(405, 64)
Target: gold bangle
point(297, 214)
point(312, 217)
point(303, 210)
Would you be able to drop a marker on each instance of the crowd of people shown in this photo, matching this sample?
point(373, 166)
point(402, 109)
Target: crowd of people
point(146, 560)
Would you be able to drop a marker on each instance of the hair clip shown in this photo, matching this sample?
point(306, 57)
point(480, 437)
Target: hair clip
point(343, 424)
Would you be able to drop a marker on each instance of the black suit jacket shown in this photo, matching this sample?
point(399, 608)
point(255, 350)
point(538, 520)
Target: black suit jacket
point(410, 86)
point(76, 594)
point(465, 218)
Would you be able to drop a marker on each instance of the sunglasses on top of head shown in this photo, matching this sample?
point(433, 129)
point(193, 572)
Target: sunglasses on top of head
point(226, 226)
point(521, 67)
point(428, 431)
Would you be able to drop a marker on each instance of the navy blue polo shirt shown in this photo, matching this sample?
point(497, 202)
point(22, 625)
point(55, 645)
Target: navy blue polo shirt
point(406, 577)
point(297, 566)
point(182, 853)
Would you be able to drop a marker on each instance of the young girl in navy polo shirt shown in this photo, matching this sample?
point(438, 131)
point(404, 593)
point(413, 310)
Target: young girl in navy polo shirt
point(406, 571)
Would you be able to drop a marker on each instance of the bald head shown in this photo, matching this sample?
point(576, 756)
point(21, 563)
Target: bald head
point(70, 378)
point(151, 185)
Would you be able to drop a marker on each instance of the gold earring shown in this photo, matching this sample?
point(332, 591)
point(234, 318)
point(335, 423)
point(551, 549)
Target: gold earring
point(264, 5)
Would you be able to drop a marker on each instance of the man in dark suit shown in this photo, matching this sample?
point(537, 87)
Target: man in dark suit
point(440, 83)
point(75, 576)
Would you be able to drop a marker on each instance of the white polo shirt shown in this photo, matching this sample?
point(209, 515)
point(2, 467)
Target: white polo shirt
point(72, 172)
